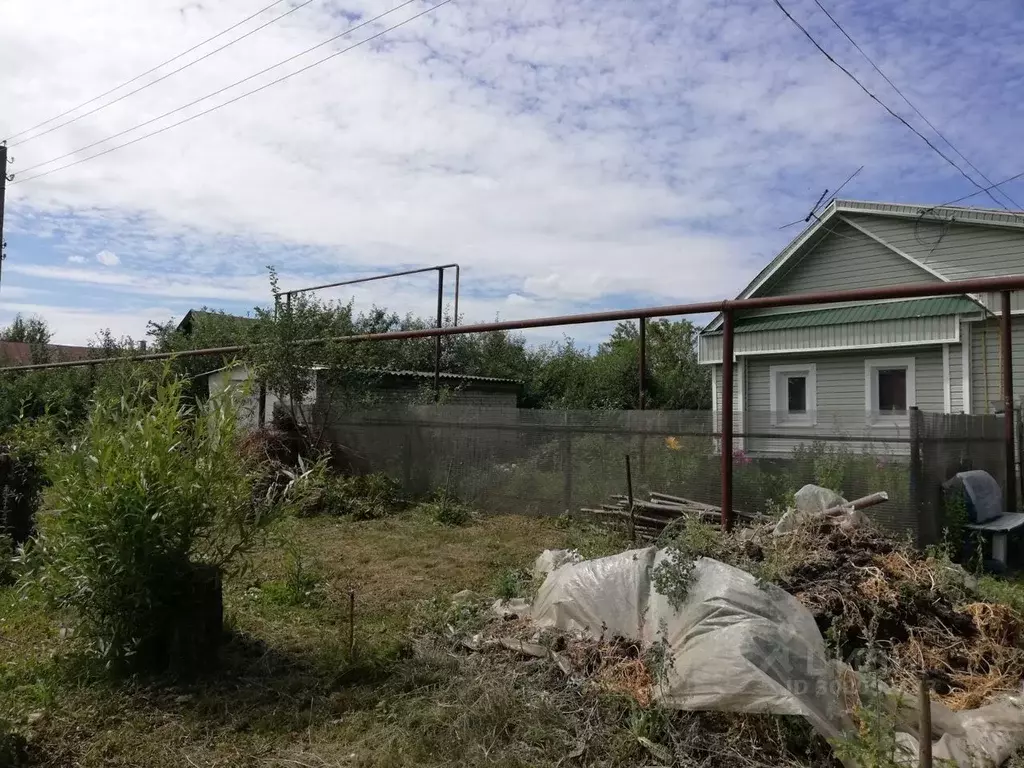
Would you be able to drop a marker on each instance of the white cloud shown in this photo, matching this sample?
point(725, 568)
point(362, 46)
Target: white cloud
point(108, 258)
point(565, 154)
point(76, 259)
point(80, 326)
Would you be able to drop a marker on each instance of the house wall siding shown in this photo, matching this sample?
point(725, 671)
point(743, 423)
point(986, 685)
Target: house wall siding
point(840, 397)
point(986, 370)
point(957, 251)
point(846, 258)
point(956, 378)
point(905, 332)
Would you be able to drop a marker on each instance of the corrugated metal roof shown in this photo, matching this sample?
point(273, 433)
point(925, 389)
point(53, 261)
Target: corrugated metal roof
point(861, 313)
point(444, 375)
point(429, 375)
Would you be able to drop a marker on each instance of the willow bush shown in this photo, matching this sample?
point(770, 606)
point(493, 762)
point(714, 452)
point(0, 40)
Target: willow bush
point(150, 503)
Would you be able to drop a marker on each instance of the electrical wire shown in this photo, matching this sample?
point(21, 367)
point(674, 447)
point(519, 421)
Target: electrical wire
point(219, 91)
point(164, 77)
point(885, 106)
point(910, 104)
point(142, 75)
point(975, 194)
point(240, 96)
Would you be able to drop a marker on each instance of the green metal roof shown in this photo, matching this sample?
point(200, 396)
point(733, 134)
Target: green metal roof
point(861, 313)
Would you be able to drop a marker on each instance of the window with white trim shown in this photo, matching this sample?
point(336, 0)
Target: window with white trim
point(890, 390)
point(794, 395)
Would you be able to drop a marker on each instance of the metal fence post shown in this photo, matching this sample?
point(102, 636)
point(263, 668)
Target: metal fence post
point(566, 463)
point(916, 475)
point(643, 363)
point(1006, 363)
point(727, 378)
point(1019, 419)
point(437, 339)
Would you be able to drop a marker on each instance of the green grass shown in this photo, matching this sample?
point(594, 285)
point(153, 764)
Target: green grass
point(1010, 591)
point(288, 691)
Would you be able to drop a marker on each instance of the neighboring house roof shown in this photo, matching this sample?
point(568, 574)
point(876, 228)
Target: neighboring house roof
point(20, 353)
point(444, 376)
point(833, 214)
point(860, 313)
point(418, 375)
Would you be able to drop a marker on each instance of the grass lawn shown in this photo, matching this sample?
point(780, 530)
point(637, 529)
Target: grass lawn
point(288, 692)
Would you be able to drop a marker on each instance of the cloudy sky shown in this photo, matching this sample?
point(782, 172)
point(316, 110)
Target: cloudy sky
point(576, 155)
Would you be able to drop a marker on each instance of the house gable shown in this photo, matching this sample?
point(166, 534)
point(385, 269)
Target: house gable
point(848, 258)
point(958, 250)
point(856, 244)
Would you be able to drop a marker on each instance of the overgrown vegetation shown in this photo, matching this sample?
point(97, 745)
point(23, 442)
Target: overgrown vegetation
point(358, 497)
point(147, 507)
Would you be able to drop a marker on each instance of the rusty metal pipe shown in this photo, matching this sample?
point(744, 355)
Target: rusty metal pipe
point(1006, 363)
point(437, 340)
point(371, 279)
point(643, 363)
point(727, 387)
point(913, 290)
point(458, 280)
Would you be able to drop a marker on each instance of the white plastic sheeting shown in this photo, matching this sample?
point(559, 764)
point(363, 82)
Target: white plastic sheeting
point(813, 501)
point(732, 646)
point(739, 646)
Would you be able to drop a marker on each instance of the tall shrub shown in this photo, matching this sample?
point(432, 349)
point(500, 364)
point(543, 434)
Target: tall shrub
point(151, 498)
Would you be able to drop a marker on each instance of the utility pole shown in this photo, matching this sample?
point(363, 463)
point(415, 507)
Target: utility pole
point(4, 178)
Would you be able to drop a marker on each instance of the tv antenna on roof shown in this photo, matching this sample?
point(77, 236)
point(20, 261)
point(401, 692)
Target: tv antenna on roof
point(814, 209)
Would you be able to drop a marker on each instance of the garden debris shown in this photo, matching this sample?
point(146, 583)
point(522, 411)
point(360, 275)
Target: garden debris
point(813, 501)
point(731, 642)
point(661, 509)
point(867, 590)
point(517, 606)
point(657, 751)
point(554, 558)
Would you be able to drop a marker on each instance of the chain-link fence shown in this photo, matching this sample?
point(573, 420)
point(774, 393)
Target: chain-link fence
point(550, 462)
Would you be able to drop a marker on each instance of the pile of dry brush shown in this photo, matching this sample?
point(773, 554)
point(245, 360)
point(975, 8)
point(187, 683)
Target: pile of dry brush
point(869, 591)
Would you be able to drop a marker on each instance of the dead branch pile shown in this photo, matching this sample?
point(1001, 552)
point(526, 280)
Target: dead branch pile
point(867, 590)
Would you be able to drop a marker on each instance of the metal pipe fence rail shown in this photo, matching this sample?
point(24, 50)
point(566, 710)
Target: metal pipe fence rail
point(728, 308)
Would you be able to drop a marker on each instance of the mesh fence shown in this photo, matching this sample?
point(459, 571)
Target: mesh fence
point(549, 462)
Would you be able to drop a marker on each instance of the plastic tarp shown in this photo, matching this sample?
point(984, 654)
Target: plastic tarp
point(741, 646)
point(811, 502)
point(733, 645)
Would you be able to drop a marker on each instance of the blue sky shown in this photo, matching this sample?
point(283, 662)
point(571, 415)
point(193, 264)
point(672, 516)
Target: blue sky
point(571, 156)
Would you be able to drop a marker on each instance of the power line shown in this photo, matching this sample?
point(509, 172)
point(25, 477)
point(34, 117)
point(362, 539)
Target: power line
point(975, 194)
point(910, 104)
point(240, 96)
point(147, 72)
point(219, 91)
point(173, 72)
point(927, 211)
point(853, 77)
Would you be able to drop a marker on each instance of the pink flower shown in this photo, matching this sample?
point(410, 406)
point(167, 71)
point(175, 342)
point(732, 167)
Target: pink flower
point(739, 457)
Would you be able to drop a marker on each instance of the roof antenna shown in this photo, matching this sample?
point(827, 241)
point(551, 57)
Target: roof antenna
point(808, 217)
point(818, 204)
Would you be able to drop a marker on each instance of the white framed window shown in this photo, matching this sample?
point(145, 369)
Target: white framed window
point(794, 395)
point(890, 390)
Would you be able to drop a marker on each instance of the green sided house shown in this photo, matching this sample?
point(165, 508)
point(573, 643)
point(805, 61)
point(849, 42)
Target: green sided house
point(856, 369)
